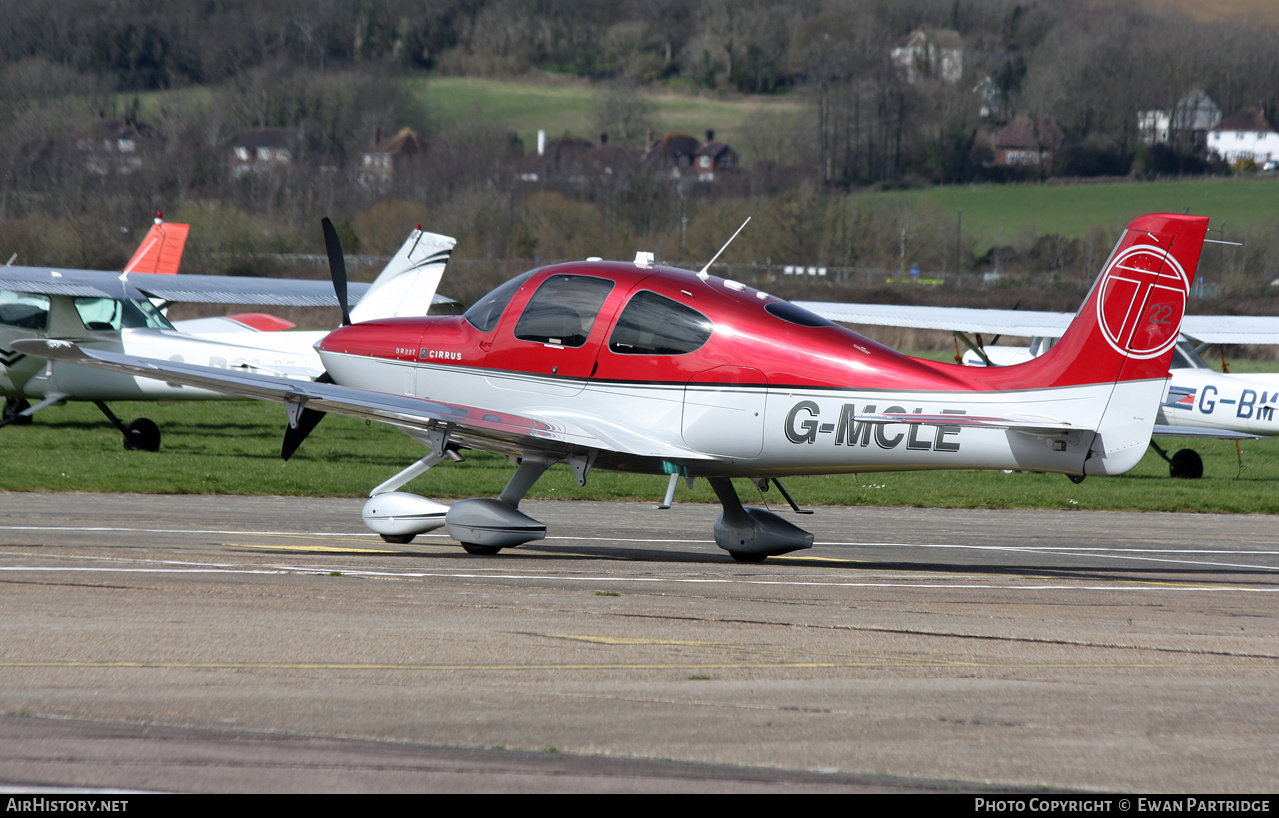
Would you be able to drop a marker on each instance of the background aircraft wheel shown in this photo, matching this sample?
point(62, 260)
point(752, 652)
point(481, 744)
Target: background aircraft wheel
point(12, 406)
point(482, 550)
point(398, 539)
point(743, 556)
point(142, 435)
point(1186, 464)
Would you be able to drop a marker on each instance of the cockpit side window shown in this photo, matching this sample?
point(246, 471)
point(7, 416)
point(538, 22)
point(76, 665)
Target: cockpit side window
point(563, 310)
point(1184, 356)
point(653, 324)
point(485, 313)
point(105, 314)
point(24, 310)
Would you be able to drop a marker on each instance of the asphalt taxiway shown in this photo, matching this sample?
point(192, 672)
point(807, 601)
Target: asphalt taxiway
point(237, 644)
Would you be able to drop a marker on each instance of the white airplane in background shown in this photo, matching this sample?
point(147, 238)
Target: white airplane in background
point(636, 367)
point(1199, 402)
point(122, 312)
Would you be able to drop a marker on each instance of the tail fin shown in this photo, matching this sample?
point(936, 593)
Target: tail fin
point(1125, 332)
point(406, 287)
point(161, 249)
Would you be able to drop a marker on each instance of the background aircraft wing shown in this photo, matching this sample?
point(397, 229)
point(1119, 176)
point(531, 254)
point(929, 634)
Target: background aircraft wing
point(1164, 430)
point(1208, 329)
point(952, 319)
point(278, 292)
point(470, 426)
point(1232, 329)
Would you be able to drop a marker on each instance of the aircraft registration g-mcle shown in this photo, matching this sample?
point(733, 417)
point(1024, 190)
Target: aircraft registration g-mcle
point(637, 367)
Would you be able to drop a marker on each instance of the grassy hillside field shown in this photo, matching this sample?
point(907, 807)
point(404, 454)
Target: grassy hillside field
point(997, 214)
point(567, 107)
point(992, 214)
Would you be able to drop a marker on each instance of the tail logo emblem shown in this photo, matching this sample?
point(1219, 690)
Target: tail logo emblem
point(1142, 299)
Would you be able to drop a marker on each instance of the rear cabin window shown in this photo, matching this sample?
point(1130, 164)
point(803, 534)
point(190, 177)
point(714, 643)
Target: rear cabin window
point(115, 314)
point(24, 310)
point(796, 315)
point(563, 310)
point(653, 324)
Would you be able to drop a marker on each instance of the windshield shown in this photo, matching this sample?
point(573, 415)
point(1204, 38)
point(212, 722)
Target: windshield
point(485, 313)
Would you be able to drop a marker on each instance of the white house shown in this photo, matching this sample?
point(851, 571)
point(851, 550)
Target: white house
point(936, 53)
point(1188, 122)
point(1245, 135)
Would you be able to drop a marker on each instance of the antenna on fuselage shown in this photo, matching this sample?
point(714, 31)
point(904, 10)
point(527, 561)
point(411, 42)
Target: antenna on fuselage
point(702, 274)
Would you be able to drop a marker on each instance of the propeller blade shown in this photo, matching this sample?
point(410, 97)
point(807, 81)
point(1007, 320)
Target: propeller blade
point(337, 267)
point(307, 421)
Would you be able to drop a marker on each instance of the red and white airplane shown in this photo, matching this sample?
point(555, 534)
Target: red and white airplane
point(637, 367)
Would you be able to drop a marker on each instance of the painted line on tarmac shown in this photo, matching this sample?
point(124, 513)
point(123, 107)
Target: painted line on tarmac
point(1117, 585)
point(241, 532)
point(1243, 664)
point(1126, 553)
point(327, 549)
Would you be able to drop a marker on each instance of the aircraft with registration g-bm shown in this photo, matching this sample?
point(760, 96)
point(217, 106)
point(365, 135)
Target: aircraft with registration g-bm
point(1199, 403)
point(123, 312)
point(637, 367)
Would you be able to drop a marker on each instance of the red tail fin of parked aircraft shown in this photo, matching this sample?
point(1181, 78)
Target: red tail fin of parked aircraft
point(161, 249)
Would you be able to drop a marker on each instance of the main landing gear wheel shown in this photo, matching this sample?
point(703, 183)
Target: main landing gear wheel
point(398, 539)
point(481, 550)
point(1186, 464)
point(743, 556)
point(142, 435)
point(12, 409)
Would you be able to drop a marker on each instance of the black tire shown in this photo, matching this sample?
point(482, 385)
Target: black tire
point(743, 556)
point(12, 406)
point(481, 550)
point(398, 539)
point(142, 435)
point(1186, 464)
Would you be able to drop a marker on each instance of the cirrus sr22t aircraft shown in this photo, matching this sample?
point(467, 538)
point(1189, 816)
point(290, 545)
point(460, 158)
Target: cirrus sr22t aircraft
point(643, 368)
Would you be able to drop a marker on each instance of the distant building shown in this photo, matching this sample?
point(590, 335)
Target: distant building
point(683, 156)
point(1244, 135)
point(930, 53)
point(574, 160)
point(262, 150)
point(714, 156)
point(1185, 126)
point(1028, 142)
point(113, 146)
point(396, 154)
point(674, 151)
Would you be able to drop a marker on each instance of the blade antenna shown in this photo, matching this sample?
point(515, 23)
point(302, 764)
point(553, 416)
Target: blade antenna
point(702, 274)
point(337, 267)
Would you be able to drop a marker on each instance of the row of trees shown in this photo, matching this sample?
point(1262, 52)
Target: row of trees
point(328, 69)
point(1089, 67)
